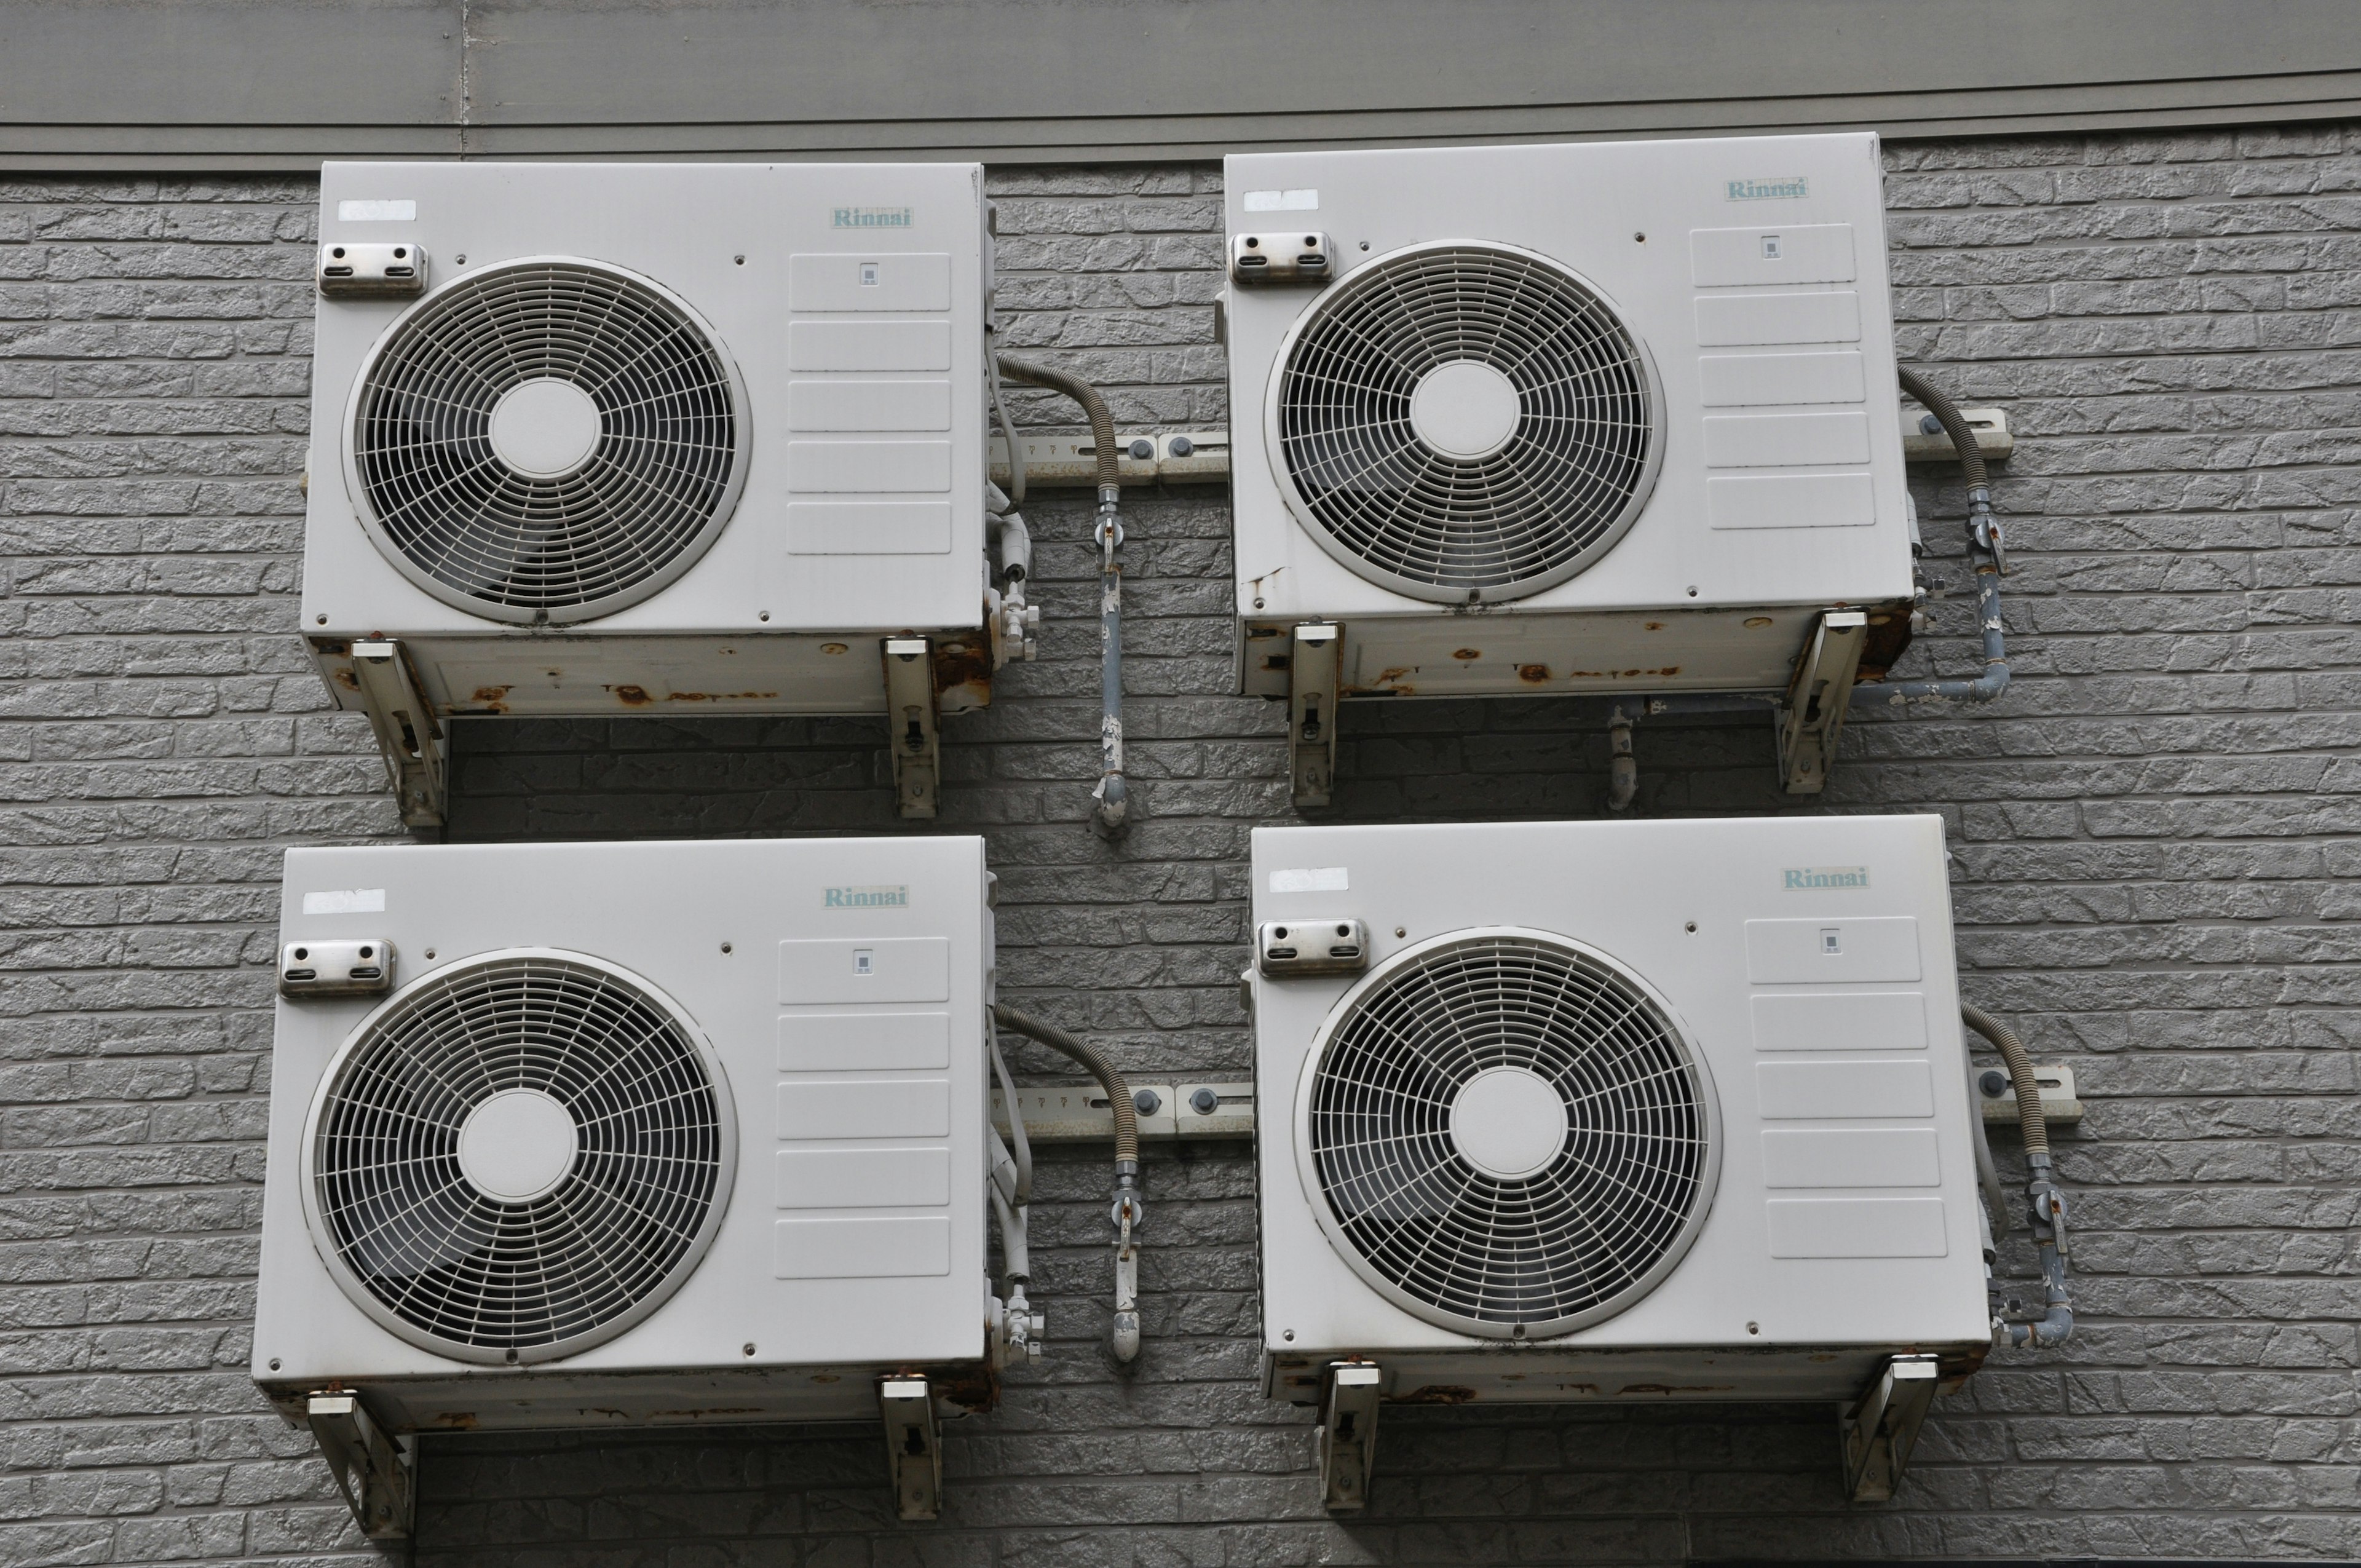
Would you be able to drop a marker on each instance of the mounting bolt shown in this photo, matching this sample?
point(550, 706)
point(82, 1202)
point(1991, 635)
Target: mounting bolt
point(1204, 1102)
point(1147, 1101)
point(1143, 449)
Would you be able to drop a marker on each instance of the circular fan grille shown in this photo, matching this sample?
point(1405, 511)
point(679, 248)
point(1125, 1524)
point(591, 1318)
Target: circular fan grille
point(1392, 487)
point(1604, 1208)
point(627, 1210)
point(634, 497)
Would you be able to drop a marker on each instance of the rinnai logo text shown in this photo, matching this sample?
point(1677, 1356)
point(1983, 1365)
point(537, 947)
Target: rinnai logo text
point(870, 217)
point(895, 897)
point(1768, 189)
point(1800, 879)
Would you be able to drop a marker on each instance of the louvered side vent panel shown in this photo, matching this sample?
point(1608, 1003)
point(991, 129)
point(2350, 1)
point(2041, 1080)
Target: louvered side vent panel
point(1466, 423)
point(551, 440)
point(520, 1159)
point(1510, 1136)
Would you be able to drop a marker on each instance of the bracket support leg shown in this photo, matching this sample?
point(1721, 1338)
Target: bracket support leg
point(1348, 1435)
point(911, 717)
point(407, 732)
point(1818, 699)
point(377, 1474)
point(914, 1454)
point(1312, 713)
point(1880, 1429)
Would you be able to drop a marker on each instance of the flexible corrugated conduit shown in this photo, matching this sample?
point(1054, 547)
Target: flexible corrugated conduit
point(1129, 1207)
point(1113, 812)
point(2047, 1203)
point(1983, 534)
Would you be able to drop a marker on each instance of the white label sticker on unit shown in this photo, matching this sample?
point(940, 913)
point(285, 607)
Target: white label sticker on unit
point(1282, 201)
point(346, 901)
point(377, 211)
point(1311, 879)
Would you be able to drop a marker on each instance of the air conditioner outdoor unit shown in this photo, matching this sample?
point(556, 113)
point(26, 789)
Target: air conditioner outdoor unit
point(649, 438)
point(1613, 417)
point(574, 1135)
point(1613, 1111)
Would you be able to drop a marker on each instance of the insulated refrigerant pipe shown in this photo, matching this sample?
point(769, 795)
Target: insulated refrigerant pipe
point(1113, 811)
point(2049, 1204)
point(1129, 1206)
point(1984, 533)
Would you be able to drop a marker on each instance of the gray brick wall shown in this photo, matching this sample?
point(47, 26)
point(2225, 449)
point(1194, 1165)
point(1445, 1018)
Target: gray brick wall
point(2154, 833)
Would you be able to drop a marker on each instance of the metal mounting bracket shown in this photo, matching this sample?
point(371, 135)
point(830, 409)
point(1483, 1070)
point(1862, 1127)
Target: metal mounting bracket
point(1818, 699)
point(910, 716)
point(375, 1473)
point(1348, 1435)
point(1312, 713)
point(914, 1456)
point(407, 732)
point(1882, 1427)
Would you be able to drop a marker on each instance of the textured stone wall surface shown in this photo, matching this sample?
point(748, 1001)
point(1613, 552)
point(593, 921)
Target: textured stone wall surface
point(2155, 834)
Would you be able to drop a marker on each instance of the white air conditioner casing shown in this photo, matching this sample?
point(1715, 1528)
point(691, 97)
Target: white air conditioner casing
point(1435, 448)
point(767, 1151)
point(778, 461)
point(1798, 1201)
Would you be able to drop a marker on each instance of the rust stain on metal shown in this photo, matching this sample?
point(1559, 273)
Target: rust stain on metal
point(493, 698)
point(1888, 637)
point(1535, 673)
point(1651, 625)
point(969, 1386)
point(1467, 653)
point(347, 679)
point(1436, 1394)
point(455, 1420)
point(707, 696)
point(1619, 674)
point(631, 696)
point(964, 674)
point(1388, 676)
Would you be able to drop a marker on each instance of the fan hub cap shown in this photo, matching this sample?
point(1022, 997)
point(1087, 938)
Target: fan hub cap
point(1509, 1122)
point(1466, 410)
point(519, 1146)
point(545, 429)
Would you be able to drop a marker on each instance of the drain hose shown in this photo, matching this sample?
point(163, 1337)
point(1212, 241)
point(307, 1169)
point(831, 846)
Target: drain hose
point(1112, 813)
point(1128, 1207)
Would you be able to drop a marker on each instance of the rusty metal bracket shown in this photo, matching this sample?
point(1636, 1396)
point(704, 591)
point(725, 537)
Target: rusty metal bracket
point(913, 1451)
point(2058, 1103)
point(377, 1474)
point(1311, 671)
point(1079, 1113)
point(1174, 457)
point(1881, 1427)
point(1348, 1435)
point(1818, 699)
point(1921, 444)
point(407, 732)
point(911, 718)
